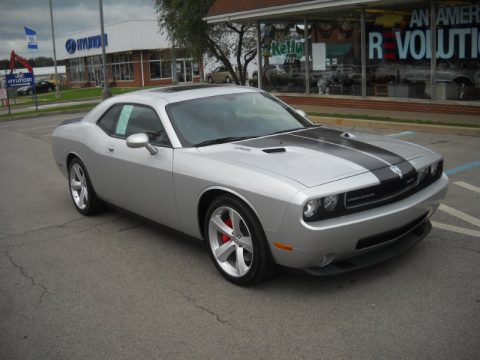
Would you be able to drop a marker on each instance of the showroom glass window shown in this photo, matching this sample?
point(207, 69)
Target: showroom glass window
point(166, 64)
point(76, 69)
point(122, 66)
point(399, 52)
point(154, 60)
point(94, 66)
point(283, 57)
point(335, 53)
point(160, 64)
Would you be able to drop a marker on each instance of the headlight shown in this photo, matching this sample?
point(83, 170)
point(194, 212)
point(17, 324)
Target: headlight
point(330, 202)
point(433, 169)
point(323, 208)
point(310, 208)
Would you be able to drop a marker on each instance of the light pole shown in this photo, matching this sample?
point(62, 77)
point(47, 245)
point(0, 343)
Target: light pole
point(106, 91)
point(57, 80)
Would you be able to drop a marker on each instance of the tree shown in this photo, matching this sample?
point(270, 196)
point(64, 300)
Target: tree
point(39, 61)
point(182, 20)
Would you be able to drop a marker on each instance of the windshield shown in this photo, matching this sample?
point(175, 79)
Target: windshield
point(231, 117)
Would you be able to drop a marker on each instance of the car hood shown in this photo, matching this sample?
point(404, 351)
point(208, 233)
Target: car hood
point(319, 155)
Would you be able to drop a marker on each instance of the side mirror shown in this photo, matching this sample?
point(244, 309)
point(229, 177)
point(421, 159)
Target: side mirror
point(140, 140)
point(301, 112)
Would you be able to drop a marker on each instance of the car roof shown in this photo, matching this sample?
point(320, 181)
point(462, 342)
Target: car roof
point(171, 94)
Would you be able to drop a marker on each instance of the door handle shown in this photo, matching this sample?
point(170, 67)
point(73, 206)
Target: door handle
point(110, 149)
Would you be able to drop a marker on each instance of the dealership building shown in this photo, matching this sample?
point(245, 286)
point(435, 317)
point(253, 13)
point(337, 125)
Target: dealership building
point(138, 54)
point(366, 54)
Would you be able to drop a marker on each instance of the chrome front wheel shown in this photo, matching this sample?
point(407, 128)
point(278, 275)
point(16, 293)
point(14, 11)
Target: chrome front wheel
point(230, 241)
point(236, 241)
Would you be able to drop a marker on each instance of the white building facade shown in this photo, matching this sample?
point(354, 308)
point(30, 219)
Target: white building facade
point(138, 54)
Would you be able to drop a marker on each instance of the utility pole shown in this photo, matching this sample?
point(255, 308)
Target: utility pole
point(57, 80)
point(106, 91)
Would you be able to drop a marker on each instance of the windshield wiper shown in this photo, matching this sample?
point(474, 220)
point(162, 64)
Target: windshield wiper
point(223, 140)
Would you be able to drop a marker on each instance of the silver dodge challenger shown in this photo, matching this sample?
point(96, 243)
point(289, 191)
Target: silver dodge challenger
point(262, 185)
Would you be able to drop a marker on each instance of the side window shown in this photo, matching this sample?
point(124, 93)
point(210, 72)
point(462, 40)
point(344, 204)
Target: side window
point(109, 119)
point(134, 119)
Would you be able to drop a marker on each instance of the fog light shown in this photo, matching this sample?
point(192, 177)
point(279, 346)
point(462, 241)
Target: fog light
point(310, 208)
point(330, 202)
point(326, 260)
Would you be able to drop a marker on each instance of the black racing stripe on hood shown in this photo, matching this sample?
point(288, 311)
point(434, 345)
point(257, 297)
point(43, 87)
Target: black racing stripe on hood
point(334, 136)
point(286, 140)
point(331, 142)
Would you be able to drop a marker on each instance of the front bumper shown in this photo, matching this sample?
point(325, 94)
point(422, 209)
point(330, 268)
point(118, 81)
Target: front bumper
point(364, 238)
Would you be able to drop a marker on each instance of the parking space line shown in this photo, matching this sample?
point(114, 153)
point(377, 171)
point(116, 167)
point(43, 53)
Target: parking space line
point(456, 229)
point(459, 214)
point(468, 186)
point(463, 168)
point(402, 134)
point(46, 135)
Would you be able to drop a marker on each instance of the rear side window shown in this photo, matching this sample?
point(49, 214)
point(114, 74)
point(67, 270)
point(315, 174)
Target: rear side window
point(123, 120)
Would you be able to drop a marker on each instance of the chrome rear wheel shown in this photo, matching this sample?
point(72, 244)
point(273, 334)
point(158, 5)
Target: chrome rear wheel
point(81, 190)
point(78, 186)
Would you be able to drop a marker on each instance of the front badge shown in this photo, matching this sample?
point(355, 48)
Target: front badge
point(396, 170)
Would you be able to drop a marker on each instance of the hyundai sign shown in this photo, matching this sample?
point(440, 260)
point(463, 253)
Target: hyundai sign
point(91, 42)
point(20, 79)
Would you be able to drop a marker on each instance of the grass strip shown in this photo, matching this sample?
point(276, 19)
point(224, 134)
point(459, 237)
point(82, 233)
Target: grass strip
point(393, 120)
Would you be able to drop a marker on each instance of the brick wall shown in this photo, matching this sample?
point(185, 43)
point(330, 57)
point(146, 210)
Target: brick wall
point(396, 105)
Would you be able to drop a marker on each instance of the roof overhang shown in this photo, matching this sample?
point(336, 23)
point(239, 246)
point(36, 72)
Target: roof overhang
point(295, 9)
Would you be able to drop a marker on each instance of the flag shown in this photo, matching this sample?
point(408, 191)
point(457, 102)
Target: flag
point(31, 38)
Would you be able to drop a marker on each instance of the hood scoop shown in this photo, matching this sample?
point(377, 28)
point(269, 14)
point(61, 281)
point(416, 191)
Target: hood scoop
point(274, 150)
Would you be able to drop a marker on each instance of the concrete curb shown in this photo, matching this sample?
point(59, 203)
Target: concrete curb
point(440, 129)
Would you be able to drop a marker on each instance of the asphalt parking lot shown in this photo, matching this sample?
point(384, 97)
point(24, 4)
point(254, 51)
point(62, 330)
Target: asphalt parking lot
point(113, 287)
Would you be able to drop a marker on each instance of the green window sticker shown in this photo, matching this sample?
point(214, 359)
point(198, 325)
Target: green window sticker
point(123, 120)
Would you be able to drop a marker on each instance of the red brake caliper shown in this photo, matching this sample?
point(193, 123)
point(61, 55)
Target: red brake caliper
point(229, 223)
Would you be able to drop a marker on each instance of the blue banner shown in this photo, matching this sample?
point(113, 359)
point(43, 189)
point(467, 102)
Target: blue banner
point(20, 79)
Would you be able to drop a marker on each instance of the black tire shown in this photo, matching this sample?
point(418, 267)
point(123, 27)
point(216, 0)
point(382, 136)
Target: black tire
point(210, 80)
point(261, 265)
point(92, 204)
point(228, 80)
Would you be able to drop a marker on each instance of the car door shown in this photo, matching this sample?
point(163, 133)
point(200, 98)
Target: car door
point(136, 180)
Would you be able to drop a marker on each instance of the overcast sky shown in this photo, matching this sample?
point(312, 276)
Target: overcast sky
point(68, 16)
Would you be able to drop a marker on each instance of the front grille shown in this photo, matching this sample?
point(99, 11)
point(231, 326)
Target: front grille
point(388, 189)
point(390, 235)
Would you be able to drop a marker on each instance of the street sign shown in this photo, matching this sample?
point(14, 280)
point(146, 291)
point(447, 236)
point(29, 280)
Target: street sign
point(20, 79)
